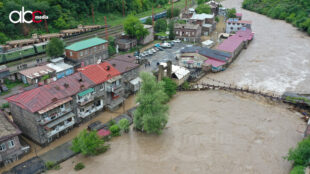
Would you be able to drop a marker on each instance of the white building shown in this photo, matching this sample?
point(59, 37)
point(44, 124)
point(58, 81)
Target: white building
point(233, 25)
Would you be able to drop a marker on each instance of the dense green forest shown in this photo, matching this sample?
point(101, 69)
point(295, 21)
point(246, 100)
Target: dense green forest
point(296, 12)
point(64, 14)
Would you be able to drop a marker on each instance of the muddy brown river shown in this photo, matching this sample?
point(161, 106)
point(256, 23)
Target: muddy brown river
point(218, 132)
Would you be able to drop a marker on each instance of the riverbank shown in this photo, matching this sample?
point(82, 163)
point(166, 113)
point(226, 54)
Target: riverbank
point(207, 132)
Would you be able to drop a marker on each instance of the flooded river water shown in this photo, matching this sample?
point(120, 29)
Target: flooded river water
point(208, 132)
point(218, 132)
point(277, 60)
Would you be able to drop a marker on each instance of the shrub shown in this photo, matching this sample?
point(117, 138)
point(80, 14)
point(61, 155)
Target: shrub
point(111, 123)
point(298, 170)
point(88, 143)
point(115, 130)
point(170, 86)
point(50, 165)
point(79, 166)
point(124, 125)
point(5, 105)
point(185, 85)
point(301, 154)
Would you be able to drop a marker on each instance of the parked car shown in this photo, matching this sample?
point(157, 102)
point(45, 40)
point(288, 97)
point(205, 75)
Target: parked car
point(154, 51)
point(177, 41)
point(150, 52)
point(166, 45)
point(160, 48)
point(156, 48)
point(171, 43)
point(136, 53)
point(146, 53)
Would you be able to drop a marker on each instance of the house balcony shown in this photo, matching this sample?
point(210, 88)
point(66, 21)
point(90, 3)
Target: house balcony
point(60, 125)
point(115, 88)
point(90, 111)
point(86, 100)
point(49, 119)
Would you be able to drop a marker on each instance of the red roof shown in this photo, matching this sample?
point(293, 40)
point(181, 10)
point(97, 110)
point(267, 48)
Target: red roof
point(43, 96)
point(214, 62)
point(103, 133)
point(233, 42)
point(99, 73)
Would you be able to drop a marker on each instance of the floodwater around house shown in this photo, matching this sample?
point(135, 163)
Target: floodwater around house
point(277, 59)
point(207, 132)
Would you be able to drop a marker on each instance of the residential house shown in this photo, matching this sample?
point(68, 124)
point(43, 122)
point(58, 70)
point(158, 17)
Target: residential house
point(90, 51)
point(222, 11)
point(108, 83)
point(150, 37)
point(233, 25)
point(124, 43)
point(187, 32)
point(201, 19)
point(36, 74)
point(61, 68)
point(10, 147)
point(47, 112)
point(129, 70)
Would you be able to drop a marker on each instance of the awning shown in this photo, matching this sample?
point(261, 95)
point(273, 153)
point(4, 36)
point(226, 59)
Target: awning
point(54, 105)
point(89, 90)
point(59, 120)
point(136, 81)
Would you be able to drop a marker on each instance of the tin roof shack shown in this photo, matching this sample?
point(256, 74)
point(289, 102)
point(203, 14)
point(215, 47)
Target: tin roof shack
point(46, 112)
point(108, 82)
point(214, 7)
point(90, 51)
point(36, 74)
point(178, 74)
point(10, 147)
point(4, 73)
point(150, 37)
point(61, 68)
point(234, 44)
point(214, 58)
point(234, 24)
point(187, 32)
point(188, 13)
point(124, 43)
point(129, 71)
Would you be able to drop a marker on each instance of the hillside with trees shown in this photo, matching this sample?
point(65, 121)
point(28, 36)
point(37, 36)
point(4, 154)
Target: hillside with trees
point(65, 14)
point(296, 12)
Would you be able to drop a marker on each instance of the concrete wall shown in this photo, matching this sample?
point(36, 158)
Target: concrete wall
point(10, 154)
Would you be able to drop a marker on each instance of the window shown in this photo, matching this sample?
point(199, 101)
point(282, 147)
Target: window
point(231, 28)
point(86, 52)
point(81, 53)
point(101, 87)
point(62, 106)
point(82, 110)
point(103, 47)
point(11, 144)
point(2, 147)
point(70, 53)
point(95, 49)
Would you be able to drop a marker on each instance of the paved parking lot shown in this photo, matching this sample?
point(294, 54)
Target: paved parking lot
point(163, 56)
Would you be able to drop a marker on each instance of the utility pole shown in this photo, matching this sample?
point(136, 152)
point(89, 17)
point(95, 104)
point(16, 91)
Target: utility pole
point(153, 13)
point(106, 29)
point(172, 9)
point(123, 8)
point(92, 11)
point(45, 23)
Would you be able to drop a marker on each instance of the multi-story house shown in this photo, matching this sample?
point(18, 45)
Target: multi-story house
point(46, 112)
point(10, 147)
point(129, 70)
point(108, 83)
point(234, 24)
point(90, 51)
point(188, 32)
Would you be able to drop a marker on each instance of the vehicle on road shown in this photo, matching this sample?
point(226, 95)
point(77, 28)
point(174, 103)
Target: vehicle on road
point(177, 41)
point(166, 45)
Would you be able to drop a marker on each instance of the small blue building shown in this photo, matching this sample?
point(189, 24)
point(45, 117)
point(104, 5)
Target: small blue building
point(62, 69)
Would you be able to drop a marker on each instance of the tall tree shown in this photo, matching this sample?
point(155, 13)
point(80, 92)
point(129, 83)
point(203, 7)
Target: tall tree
point(171, 30)
point(152, 114)
point(134, 28)
point(160, 25)
point(55, 48)
point(170, 86)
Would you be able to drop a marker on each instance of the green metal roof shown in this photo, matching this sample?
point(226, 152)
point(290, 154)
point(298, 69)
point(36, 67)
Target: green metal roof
point(89, 90)
point(77, 46)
